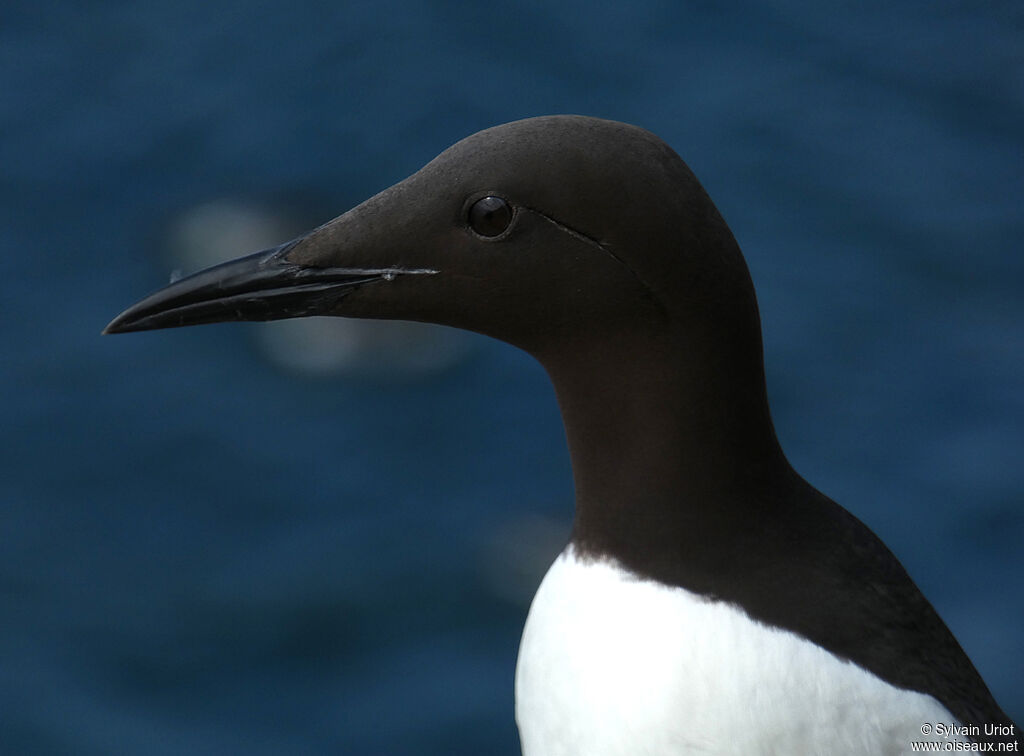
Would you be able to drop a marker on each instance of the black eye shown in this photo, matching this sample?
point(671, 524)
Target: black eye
point(490, 216)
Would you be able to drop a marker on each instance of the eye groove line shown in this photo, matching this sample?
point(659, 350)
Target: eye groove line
point(591, 240)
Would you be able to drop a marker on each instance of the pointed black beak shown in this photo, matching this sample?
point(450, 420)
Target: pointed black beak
point(262, 286)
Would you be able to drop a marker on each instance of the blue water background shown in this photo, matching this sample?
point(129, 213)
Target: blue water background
point(203, 553)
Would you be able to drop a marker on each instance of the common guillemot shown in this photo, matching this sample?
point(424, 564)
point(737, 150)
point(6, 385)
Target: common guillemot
point(710, 600)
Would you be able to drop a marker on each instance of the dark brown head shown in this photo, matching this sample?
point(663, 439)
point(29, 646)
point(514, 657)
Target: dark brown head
point(537, 232)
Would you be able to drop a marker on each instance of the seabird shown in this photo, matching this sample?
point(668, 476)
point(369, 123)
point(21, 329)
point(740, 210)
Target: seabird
point(709, 600)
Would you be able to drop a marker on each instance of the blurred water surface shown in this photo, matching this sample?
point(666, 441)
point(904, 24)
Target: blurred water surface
point(204, 553)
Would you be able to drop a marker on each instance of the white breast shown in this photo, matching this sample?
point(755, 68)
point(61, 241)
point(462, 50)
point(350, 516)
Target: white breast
point(613, 665)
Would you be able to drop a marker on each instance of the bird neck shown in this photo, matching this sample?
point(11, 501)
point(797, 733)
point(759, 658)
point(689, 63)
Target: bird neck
point(671, 440)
